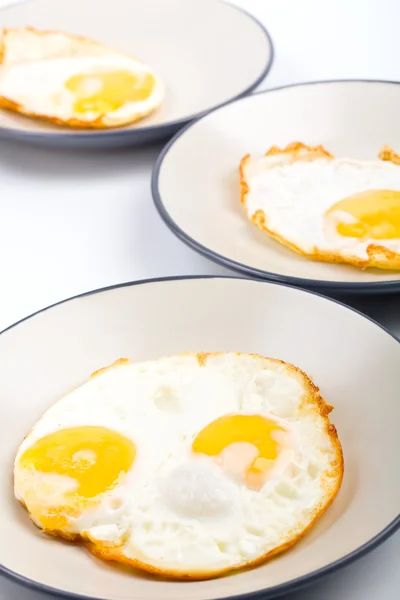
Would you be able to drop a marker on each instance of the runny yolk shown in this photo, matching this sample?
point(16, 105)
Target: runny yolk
point(108, 90)
point(238, 433)
point(376, 214)
point(93, 456)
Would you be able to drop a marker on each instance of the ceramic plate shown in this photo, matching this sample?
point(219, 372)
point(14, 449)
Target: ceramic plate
point(196, 181)
point(353, 360)
point(197, 48)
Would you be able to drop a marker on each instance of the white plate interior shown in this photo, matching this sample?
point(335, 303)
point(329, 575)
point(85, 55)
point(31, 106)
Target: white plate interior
point(353, 360)
point(194, 46)
point(198, 181)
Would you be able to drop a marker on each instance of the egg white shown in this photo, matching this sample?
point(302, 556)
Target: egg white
point(179, 513)
point(287, 192)
point(35, 65)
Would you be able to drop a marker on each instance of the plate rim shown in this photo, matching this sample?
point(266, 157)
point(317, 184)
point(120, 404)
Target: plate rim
point(353, 286)
point(272, 592)
point(163, 128)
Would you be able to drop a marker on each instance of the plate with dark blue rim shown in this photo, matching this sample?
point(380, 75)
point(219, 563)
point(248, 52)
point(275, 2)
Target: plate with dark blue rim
point(50, 353)
point(206, 53)
point(196, 184)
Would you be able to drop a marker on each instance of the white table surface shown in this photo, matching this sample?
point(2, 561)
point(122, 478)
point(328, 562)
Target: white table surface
point(75, 221)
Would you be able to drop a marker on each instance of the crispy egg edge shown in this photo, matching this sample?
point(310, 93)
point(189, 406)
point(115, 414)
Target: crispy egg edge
point(100, 122)
point(378, 256)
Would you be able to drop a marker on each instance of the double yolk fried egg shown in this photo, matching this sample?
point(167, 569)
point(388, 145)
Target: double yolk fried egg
point(188, 466)
point(73, 81)
point(326, 208)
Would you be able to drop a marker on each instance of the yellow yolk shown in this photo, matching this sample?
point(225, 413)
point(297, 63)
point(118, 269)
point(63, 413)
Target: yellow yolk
point(94, 457)
point(108, 91)
point(376, 214)
point(242, 432)
point(54, 520)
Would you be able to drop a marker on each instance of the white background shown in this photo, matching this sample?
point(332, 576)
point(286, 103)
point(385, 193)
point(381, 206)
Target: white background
point(71, 221)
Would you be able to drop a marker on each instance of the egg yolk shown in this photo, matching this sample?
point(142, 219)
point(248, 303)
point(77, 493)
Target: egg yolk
point(376, 214)
point(95, 457)
point(259, 432)
point(109, 90)
point(53, 519)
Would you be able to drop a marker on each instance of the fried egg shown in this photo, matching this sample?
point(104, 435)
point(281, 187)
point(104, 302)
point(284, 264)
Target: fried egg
point(338, 210)
point(188, 466)
point(73, 81)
